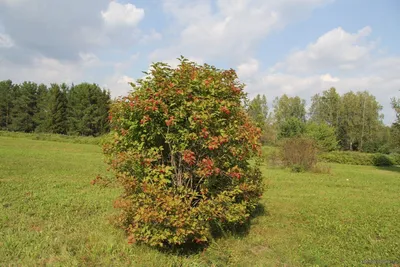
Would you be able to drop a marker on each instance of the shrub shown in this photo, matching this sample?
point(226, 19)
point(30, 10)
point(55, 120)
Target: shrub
point(382, 160)
point(376, 147)
point(180, 146)
point(299, 154)
point(396, 158)
point(323, 134)
point(348, 157)
point(358, 158)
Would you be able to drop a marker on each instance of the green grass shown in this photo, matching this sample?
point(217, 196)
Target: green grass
point(51, 215)
point(53, 137)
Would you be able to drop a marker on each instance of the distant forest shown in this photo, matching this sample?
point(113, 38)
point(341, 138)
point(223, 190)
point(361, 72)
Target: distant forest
point(352, 121)
point(80, 109)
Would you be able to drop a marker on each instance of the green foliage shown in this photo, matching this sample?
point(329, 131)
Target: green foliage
point(258, 112)
point(291, 127)
point(325, 108)
point(25, 108)
point(358, 158)
point(7, 95)
point(348, 157)
point(290, 116)
point(355, 117)
point(360, 120)
point(376, 147)
point(395, 129)
point(381, 143)
point(396, 158)
point(42, 111)
point(58, 109)
point(28, 107)
point(287, 107)
point(396, 106)
point(323, 134)
point(382, 160)
point(299, 154)
point(88, 107)
point(180, 146)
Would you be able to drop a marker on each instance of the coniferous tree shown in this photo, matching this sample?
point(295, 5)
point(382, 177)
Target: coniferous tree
point(24, 108)
point(41, 116)
point(101, 124)
point(7, 94)
point(88, 109)
point(58, 108)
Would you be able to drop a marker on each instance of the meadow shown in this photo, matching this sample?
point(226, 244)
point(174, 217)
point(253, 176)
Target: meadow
point(50, 214)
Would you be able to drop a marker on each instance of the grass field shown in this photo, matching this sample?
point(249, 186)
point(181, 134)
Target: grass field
point(51, 215)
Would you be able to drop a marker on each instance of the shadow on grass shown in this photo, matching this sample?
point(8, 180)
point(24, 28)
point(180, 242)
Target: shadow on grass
point(241, 230)
point(391, 168)
point(218, 231)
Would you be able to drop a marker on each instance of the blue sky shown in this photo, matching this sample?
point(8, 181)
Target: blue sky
point(297, 47)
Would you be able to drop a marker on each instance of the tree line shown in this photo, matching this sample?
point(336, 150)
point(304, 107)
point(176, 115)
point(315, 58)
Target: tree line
point(351, 121)
point(80, 109)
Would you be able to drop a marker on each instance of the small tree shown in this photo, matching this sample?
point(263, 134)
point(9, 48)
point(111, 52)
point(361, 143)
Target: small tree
point(323, 134)
point(291, 127)
point(180, 146)
point(258, 111)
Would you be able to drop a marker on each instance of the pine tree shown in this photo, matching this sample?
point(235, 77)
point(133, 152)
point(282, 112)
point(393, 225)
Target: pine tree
point(41, 116)
point(58, 108)
point(88, 107)
point(24, 108)
point(7, 94)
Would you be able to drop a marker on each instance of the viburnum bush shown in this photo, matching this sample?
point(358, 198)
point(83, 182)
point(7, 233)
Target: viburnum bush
point(180, 145)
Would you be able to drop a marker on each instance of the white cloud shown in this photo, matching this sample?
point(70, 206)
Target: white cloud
point(329, 78)
point(125, 80)
point(174, 62)
point(12, 2)
point(126, 64)
point(118, 84)
point(42, 70)
point(89, 59)
point(150, 37)
point(248, 68)
point(122, 14)
point(232, 29)
point(6, 41)
point(61, 40)
point(335, 49)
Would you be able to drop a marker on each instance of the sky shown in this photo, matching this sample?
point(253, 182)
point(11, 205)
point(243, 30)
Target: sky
point(293, 47)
